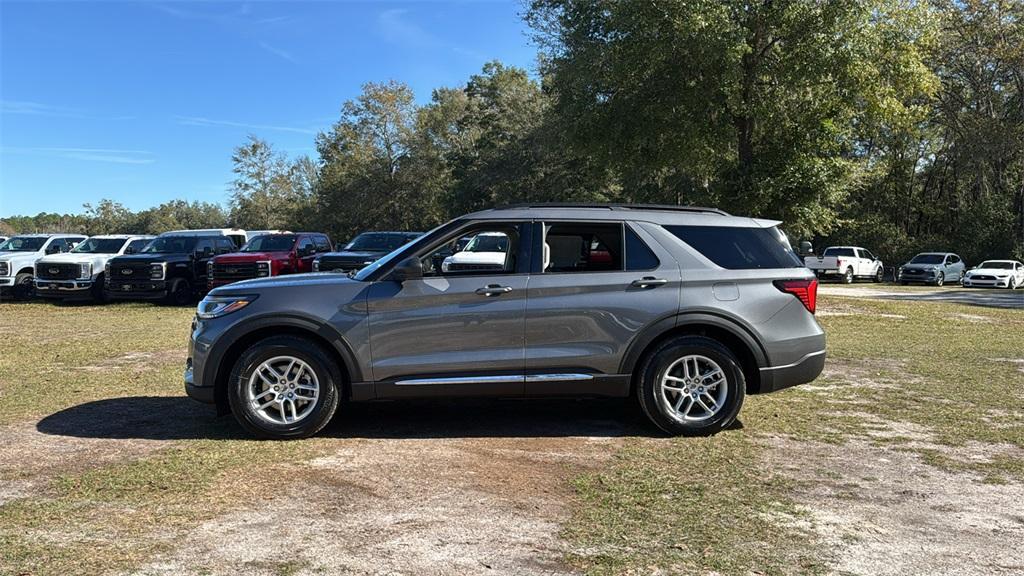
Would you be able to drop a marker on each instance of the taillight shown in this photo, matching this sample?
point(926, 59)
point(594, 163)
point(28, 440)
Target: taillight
point(805, 290)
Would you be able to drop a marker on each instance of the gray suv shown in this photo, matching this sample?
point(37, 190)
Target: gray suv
point(687, 309)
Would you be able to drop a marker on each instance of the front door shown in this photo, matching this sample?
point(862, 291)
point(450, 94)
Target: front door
point(459, 329)
point(599, 285)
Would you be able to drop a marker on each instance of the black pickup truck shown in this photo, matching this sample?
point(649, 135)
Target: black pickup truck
point(171, 269)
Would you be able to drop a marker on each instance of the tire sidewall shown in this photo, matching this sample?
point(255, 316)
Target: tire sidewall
point(940, 279)
point(660, 360)
point(327, 373)
point(23, 290)
point(848, 276)
point(176, 295)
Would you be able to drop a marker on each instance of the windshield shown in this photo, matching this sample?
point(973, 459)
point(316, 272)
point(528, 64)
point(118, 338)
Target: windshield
point(488, 243)
point(270, 243)
point(376, 242)
point(838, 252)
point(23, 244)
point(171, 245)
point(100, 246)
point(996, 265)
point(928, 259)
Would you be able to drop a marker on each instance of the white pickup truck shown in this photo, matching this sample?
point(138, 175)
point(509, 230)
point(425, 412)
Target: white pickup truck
point(78, 274)
point(18, 255)
point(846, 263)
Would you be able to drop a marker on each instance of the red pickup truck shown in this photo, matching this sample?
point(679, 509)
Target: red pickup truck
point(268, 255)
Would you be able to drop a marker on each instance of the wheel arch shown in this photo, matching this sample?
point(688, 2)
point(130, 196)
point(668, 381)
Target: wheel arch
point(241, 338)
point(730, 333)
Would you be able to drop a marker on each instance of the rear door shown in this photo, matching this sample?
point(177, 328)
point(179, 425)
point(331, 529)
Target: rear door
point(595, 286)
point(453, 333)
point(305, 252)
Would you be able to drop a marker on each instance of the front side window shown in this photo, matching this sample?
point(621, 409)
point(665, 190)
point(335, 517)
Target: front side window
point(491, 249)
point(582, 247)
point(306, 246)
point(739, 248)
point(270, 243)
point(100, 246)
point(322, 244)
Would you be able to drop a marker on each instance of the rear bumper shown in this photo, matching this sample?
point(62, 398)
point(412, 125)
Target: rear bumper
point(802, 371)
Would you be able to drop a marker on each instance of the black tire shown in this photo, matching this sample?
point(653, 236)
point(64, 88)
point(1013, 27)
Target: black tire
point(97, 290)
point(879, 276)
point(655, 366)
point(940, 279)
point(179, 293)
point(848, 277)
point(24, 288)
point(327, 372)
point(1012, 284)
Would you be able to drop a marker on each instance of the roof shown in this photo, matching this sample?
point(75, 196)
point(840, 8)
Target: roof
point(122, 236)
point(48, 235)
point(655, 213)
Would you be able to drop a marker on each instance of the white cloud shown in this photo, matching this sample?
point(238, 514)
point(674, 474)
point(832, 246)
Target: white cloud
point(200, 121)
point(110, 155)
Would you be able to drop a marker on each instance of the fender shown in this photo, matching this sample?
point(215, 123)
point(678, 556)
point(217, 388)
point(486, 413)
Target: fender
point(235, 333)
point(651, 333)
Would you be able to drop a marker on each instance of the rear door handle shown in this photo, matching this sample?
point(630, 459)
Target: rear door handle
point(493, 290)
point(648, 281)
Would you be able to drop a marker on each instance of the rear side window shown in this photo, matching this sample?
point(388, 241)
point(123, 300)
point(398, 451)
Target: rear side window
point(739, 248)
point(582, 247)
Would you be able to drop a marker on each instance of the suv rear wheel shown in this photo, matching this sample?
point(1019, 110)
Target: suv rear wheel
point(284, 387)
point(691, 385)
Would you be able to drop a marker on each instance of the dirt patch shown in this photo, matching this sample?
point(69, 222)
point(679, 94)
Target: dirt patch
point(137, 360)
point(403, 506)
point(883, 511)
point(973, 318)
point(875, 374)
point(1018, 361)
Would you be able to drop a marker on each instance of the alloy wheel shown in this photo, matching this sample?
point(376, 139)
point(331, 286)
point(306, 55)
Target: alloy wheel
point(693, 389)
point(283, 390)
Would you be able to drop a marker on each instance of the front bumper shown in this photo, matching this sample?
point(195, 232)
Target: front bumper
point(997, 283)
point(918, 276)
point(64, 288)
point(802, 371)
point(149, 290)
point(204, 394)
point(6, 281)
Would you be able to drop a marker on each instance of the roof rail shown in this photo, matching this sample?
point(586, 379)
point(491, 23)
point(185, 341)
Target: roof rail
point(615, 206)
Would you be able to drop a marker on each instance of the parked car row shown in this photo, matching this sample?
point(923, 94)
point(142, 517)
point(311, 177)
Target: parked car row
point(849, 263)
point(174, 267)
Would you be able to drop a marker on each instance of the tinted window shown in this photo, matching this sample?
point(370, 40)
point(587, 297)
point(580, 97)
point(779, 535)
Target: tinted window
point(579, 247)
point(99, 246)
point(638, 254)
point(927, 259)
point(866, 254)
point(375, 242)
point(224, 245)
point(171, 245)
point(270, 243)
point(306, 244)
point(138, 245)
point(500, 256)
point(953, 259)
point(739, 248)
point(838, 252)
point(58, 245)
point(204, 244)
point(322, 244)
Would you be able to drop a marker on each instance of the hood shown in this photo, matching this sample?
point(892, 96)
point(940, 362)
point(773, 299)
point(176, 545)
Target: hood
point(239, 257)
point(991, 271)
point(69, 258)
point(150, 258)
point(477, 258)
point(286, 281)
point(355, 255)
point(20, 256)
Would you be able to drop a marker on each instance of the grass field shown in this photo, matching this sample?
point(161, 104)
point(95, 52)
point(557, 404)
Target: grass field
point(105, 468)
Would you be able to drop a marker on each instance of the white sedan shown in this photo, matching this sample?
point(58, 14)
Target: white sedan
point(995, 274)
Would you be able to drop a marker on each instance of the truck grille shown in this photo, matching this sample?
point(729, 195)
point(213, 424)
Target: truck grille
point(126, 272)
point(233, 272)
point(57, 271)
point(342, 265)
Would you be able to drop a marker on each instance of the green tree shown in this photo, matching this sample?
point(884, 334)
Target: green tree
point(269, 191)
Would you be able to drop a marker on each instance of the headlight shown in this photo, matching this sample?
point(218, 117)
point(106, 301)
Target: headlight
point(209, 268)
point(85, 271)
point(217, 306)
point(5, 269)
point(316, 265)
point(156, 271)
point(263, 269)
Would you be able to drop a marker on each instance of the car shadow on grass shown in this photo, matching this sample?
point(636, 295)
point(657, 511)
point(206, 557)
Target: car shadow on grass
point(179, 418)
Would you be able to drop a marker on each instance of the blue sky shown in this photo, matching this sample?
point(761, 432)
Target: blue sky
point(143, 102)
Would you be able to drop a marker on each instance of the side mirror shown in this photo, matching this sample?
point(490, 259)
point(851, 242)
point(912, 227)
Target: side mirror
point(129, 250)
point(409, 269)
point(806, 249)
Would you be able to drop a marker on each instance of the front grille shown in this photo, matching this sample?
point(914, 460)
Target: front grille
point(234, 272)
point(342, 265)
point(128, 272)
point(453, 267)
point(982, 278)
point(57, 271)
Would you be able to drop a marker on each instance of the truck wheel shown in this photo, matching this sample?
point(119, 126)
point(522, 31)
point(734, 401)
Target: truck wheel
point(880, 275)
point(940, 279)
point(23, 288)
point(180, 292)
point(848, 277)
point(97, 290)
point(691, 385)
point(283, 388)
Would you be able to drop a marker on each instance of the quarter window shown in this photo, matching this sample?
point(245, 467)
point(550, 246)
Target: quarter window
point(638, 255)
point(738, 248)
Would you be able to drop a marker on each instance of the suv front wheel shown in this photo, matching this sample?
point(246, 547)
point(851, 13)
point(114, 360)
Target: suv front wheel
point(691, 385)
point(284, 387)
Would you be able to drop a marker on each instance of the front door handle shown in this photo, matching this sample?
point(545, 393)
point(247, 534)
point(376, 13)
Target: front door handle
point(648, 281)
point(493, 290)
